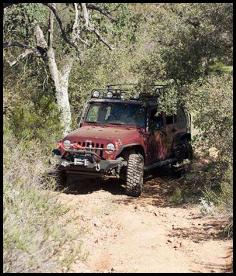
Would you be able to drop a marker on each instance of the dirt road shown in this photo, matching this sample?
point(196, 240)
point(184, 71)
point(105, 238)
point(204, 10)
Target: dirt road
point(144, 234)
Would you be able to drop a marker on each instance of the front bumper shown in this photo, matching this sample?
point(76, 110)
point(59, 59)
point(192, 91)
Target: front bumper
point(89, 165)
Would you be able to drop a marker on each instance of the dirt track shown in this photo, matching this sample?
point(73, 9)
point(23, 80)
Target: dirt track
point(145, 234)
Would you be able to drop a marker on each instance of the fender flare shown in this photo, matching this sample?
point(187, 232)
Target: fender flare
point(122, 148)
point(181, 136)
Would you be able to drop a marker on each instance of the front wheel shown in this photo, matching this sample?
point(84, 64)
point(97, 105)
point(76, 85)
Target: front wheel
point(60, 176)
point(134, 176)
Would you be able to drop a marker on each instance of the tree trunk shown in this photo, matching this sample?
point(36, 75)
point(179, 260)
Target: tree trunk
point(61, 81)
point(60, 77)
point(63, 103)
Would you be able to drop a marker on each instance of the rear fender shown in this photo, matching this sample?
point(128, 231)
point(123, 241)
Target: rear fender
point(179, 137)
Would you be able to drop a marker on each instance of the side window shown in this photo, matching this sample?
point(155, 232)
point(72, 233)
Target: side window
point(181, 118)
point(169, 120)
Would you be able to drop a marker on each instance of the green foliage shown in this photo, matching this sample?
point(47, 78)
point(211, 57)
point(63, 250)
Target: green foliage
point(20, 20)
point(177, 196)
point(212, 103)
point(193, 53)
point(42, 119)
point(30, 102)
point(188, 40)
point(220, 68)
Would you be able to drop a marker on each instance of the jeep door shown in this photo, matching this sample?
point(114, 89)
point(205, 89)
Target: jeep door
point(171, 130)
point(157, 138)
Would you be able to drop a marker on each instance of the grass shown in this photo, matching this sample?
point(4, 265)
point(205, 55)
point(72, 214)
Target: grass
point(37, 234)
point(177, 196)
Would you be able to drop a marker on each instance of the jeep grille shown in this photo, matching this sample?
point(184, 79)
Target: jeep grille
point(95, 147)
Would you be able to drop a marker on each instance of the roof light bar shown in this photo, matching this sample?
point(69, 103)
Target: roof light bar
point(96, 94)
point(109, 94)
point(122, 91)
point(122, 96)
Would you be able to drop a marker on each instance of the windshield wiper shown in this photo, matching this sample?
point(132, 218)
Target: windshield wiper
point(92, 122)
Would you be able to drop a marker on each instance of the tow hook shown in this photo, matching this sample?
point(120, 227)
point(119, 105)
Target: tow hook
point(65, 163)
point(98, 167)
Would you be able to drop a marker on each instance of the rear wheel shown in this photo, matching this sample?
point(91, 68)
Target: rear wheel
point(190, 150)
point(183, 150)
point(134, 175)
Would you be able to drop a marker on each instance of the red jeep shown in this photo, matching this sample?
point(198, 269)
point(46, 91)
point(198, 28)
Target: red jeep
point(121, 138)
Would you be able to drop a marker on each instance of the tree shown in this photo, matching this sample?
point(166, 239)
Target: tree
point(188, 39)
point(79, 26)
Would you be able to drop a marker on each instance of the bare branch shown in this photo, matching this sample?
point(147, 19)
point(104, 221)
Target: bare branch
point(101, 38)
point(76, 32)
point(92, 28)
point(76, 22)
point(21, 56)
point(8, 44)
point(50, 31)
point(39, 50)
point(40, 39)
point(64, 35)
point(85, 14)
point(92, 6)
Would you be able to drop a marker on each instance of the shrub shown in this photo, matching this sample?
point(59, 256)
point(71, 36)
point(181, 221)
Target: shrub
point(212, 102)
point(177, 196)
point(34, 227)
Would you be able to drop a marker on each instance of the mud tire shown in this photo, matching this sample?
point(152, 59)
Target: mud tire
point(190, 151)
point(184, 150)
point(134, 175)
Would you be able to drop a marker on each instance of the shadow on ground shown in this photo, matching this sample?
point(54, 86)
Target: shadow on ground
point(157, 188)
point(201, 231)
point(220, 268)
point(77, 185)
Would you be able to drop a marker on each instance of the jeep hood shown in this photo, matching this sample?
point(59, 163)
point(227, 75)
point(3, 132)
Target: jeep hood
point(104, 133)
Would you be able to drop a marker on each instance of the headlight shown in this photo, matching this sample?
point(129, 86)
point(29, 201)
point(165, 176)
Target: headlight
point(136, 97)
point(66, 144)
point(122, 96)
point(110, 146)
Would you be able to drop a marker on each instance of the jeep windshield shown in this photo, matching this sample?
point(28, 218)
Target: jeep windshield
point(116, 113)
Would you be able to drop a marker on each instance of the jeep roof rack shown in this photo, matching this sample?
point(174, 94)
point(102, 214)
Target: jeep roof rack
point(119, 91)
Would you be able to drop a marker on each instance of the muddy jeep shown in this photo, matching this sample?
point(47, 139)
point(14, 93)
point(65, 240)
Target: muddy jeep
point(121, 137)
